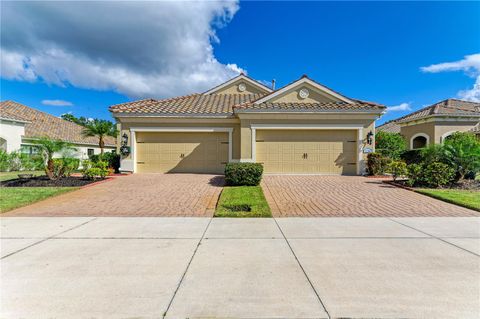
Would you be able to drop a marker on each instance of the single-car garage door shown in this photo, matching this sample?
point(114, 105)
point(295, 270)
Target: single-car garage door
point(307, 151)
point(182, 152)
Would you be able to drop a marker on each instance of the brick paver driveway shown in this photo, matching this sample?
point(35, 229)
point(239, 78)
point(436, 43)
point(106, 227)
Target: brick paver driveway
point(135, 195)
point(349, 196)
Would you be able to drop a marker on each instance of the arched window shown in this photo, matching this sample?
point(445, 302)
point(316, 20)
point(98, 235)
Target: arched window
point(419, 140)
point(446, 136)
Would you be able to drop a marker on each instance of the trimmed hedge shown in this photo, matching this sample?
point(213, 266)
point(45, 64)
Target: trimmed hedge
point(112, 159)
point(243, 174)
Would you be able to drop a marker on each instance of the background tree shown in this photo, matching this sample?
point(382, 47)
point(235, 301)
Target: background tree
point(100, 128)
point(48, 148)
point(390, 144)
point(83, 121)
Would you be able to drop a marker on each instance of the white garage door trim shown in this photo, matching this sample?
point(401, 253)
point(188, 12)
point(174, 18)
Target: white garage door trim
point(133, 139)
point(358, 127)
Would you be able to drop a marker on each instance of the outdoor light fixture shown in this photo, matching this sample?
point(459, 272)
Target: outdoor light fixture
point(370, 138)
point(124, 139)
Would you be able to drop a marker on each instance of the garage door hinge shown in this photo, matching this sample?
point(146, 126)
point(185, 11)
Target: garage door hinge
point(140, 162)
point(352, 141)
point(223, 142)
point(351, 163)
point(138, 142)
point(259, 141)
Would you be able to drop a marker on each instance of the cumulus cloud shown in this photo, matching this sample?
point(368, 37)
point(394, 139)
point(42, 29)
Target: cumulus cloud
point(57, 103)
point(470, 64)
point(400, 107)
point(141, 49)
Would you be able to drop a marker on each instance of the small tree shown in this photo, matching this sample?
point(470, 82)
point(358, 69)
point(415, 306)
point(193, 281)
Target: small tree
point(462, 152)
point(100, 128)
point(49, 147)
point(391, 145)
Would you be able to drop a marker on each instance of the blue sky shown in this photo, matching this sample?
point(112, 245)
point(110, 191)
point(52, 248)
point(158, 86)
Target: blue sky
point(367, 50)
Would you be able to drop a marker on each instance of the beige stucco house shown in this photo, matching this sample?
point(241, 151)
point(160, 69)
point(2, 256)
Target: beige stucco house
point(434, 123)
point(303, 127)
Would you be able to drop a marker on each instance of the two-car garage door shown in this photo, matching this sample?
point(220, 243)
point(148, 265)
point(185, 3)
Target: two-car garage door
point(181, 152)
point(307, 151)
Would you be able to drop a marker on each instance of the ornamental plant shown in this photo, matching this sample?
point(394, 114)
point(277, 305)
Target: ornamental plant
point(397, 169)
point(240, 174)
point(390, 145)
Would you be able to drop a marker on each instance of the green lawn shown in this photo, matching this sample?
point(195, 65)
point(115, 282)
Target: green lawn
point(14, 197)
point(242, 201)
point(465, 198)
point(5, 176)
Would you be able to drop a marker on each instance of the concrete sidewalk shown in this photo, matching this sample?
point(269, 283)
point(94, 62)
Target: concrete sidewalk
point(108, 267)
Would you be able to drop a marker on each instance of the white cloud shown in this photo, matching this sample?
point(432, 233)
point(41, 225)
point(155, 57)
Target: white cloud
point(400, 107)
point(57, 103)
point(141, 49)
point(470, 64)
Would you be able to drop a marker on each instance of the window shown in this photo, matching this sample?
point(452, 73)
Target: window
point(419, 142)
point(90, 152)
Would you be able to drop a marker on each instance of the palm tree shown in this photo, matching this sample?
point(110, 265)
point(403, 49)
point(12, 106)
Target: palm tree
point(100, 128)
point(49, 147)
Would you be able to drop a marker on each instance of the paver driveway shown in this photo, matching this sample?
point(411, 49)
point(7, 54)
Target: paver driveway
point(349, 196)
point(135, 195)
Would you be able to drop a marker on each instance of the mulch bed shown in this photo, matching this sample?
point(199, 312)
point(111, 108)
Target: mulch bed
point(43, 181)
point(467, 184)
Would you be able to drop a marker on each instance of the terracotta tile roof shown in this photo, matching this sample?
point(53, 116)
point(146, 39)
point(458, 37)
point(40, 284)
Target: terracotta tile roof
point(389, 127)
point(308, 107)
point(451, 107)
point(46, 125)
point(194, 104)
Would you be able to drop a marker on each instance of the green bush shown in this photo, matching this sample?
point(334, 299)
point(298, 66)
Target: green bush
point(412, 156)
point(113, 160)
point(433, 174)
point(4, 166)
point(377, 164)
point(397, 169)
point(243, 174)
point(461, 151)
point(438, 174)
point(94, 170)
point(17, 161)
point(390, 145)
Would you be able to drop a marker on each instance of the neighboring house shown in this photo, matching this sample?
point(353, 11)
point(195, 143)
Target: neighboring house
point(303, 127)
point(434, 123)
point(20, 125)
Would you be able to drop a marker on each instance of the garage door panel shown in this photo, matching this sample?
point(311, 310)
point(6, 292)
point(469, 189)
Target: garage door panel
point(328, 151)
point(182, 152)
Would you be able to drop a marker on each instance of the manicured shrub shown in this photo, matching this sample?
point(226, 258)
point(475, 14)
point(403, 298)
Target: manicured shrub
point(390, 145)
point(377, 164)
point(397, 169)
point(94, 170)
point(433, 175)
point(113, 160)
point(243, 174)
point(438, 174)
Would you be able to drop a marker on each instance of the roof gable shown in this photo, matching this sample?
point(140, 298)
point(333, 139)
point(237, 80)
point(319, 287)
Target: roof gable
point(240, 84)
point(304, 90)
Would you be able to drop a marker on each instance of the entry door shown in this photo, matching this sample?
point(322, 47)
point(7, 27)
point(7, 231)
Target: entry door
point(182, 152)
point(307, 151)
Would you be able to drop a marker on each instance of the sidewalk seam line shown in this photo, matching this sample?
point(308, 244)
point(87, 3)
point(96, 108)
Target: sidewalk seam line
point(186, 269)
point(47, 238)
point(435, 237)
point(303, 270)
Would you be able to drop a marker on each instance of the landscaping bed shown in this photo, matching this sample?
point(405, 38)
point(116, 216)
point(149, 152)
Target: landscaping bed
point(44, 181)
